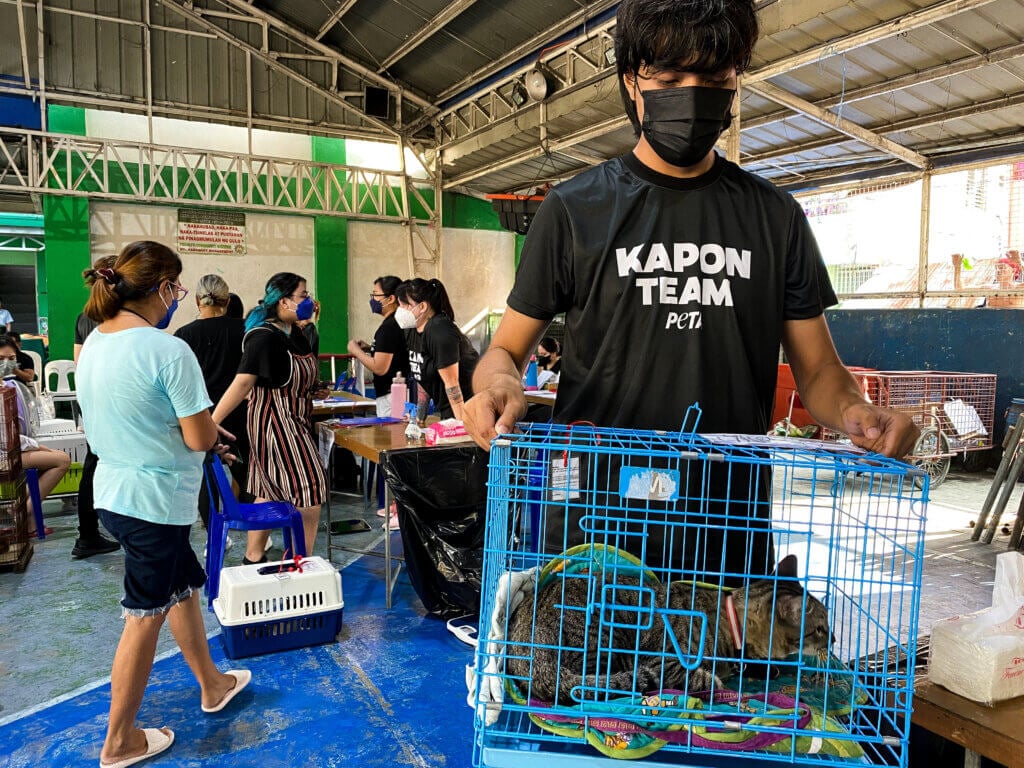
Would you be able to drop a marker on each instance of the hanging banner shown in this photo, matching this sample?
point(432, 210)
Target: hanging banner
point(218, 232)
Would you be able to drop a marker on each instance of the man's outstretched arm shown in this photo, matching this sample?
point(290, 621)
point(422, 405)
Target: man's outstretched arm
point(499, 401)
point(831, 394)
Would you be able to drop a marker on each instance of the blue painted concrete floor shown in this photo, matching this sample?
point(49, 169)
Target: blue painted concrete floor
point(390, 692)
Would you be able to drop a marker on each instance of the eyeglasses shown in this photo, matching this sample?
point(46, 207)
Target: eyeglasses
point(180, 291)
point(303, 295)
point(378, 295)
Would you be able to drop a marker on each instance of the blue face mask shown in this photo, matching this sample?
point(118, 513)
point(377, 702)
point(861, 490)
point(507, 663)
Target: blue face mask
point(304, 310)
point(376, 307)
point(166, 319)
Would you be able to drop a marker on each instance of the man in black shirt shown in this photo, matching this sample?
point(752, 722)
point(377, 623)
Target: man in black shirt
point(90, 541)
point(679, 273)
point(216, 340)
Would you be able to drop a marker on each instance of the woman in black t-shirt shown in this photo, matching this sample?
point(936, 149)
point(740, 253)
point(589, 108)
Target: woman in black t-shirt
point(216, 340)
point(278, 373)
point(549, 355)
point(441, 358)
point(388, 356)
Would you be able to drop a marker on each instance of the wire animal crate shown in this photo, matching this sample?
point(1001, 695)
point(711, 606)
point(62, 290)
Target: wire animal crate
point(264, 608)
point(954, 411)
point(633, 516)
point(960, 405)
point(10, 440)
point(15, 546)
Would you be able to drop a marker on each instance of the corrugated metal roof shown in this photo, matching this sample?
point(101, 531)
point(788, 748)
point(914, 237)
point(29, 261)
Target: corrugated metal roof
point(960, 111)
point(974, 104)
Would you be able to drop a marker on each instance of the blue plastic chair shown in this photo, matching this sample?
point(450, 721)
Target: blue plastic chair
point(226, 512)
point(32, 481)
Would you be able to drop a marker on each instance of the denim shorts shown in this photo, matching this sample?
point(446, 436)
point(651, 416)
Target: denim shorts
point(160, 567)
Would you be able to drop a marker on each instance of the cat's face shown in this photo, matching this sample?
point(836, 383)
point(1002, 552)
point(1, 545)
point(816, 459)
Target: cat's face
point(799, 620)
point(818, 637)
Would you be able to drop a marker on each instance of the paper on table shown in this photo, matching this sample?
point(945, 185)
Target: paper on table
point(326, 443)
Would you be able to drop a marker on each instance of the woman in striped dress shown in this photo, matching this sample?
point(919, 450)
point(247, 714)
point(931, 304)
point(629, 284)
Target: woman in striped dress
point(278, 374)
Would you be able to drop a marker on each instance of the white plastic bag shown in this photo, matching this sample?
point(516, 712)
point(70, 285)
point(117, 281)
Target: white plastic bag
point(44, 402)
point(981, 655)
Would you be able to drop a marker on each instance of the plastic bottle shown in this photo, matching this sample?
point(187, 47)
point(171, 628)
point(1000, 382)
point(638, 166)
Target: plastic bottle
point(531, 374)
point(399, 394)
point(412, 431)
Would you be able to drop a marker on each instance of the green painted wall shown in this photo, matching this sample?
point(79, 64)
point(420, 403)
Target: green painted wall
point(27, 222)
point(66, 228)
point(17, 258)
point(66, 225)
point(63, 119)
point(330, 240)
point(67, 254)
point(467, 212)
point(41, 285)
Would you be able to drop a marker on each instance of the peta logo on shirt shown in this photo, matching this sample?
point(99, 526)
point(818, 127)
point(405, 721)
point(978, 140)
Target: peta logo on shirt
point(697, 274)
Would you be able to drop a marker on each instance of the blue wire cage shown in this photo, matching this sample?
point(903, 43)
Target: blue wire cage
point(590, 531)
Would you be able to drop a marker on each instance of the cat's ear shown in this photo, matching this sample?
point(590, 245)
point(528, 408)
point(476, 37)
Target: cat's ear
point(786, 569)
point(789, 607)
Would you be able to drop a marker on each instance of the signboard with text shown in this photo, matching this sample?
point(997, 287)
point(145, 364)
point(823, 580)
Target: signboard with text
point(211, 232)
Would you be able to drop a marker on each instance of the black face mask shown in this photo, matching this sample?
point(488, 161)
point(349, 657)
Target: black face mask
point(543, 360)
point(682, 124)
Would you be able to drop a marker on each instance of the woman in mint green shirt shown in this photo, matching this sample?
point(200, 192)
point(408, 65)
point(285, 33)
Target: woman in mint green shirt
point(146, 415)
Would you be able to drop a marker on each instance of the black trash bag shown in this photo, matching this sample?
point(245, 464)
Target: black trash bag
point(442, 504)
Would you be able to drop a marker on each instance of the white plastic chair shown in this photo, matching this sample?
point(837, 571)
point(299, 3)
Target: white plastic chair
point(60, 369)
point(37, 361)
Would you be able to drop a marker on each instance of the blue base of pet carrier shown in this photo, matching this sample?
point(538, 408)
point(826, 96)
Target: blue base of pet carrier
point(274, 635)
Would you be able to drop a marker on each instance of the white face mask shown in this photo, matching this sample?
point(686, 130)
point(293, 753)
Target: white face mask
point(405, 318)
point(8, 367)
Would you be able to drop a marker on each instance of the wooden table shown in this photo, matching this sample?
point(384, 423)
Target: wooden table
point(993, 732)
point(345, 408)
point(353, 396)
point(371, 443)
point(541, 397)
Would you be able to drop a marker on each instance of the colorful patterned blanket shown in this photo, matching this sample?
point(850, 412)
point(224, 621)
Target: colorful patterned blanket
point(791, 712)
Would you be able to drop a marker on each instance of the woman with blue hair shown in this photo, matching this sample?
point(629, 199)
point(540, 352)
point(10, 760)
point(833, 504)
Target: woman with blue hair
point(278, 375)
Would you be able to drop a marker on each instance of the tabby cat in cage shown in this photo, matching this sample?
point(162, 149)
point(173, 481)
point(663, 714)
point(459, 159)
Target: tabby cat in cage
point(546, 636)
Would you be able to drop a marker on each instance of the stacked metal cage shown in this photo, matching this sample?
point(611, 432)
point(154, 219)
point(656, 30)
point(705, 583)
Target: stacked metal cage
point(955, 412)
point(609, 506)
point(960, 406)
point(15, 546)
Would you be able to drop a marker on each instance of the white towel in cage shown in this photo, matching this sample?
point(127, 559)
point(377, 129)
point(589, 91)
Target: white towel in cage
point(513, 588)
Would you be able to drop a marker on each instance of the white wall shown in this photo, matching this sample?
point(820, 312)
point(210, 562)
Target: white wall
point(382, 156)
point(197, 135)
point(274, 243)
point(478, 267)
